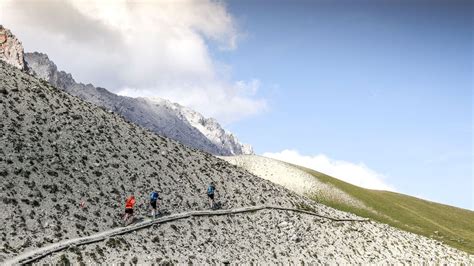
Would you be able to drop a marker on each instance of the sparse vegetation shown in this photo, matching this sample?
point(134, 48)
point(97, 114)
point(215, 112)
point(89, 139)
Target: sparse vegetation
point(447, 224)
point(64, 260)
point(10, 201)
point(113, 243)
point(80, 226)
point(100, 251)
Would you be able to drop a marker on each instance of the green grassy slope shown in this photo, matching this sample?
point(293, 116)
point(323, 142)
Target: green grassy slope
point(452, 226)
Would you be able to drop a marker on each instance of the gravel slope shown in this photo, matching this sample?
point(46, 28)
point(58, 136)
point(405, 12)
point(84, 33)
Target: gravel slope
point(291, 178)
point(265, 237)
point(56, 150)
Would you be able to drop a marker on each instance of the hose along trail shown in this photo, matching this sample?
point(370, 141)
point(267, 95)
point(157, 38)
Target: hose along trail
point(34, 255)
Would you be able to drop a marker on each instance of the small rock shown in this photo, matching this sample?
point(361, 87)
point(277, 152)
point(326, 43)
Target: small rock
point(283, 224)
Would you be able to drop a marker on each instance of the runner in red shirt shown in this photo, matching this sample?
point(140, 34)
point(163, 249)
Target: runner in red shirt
point(129, 203)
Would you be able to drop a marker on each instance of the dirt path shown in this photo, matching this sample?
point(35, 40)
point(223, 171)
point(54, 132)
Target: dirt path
point(34, 255)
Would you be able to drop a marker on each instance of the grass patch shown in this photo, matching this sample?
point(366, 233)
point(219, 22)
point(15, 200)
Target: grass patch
point(453, 226)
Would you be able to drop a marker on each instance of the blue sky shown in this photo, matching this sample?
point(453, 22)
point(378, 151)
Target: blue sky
point(377, 93)
point(386, 83)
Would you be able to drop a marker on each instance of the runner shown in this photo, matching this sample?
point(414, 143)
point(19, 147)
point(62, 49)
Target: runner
point(129, 203)
point(211, 189)
point(153, 203)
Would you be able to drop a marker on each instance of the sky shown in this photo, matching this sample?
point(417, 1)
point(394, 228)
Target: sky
point(384, 85)
point(377, 93)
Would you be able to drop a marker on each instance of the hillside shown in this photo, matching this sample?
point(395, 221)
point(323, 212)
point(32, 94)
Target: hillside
point(57, 150)
point(158, 115)
point(450, 225)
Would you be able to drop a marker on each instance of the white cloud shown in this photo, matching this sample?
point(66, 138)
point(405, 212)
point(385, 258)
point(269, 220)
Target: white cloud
point(249, 88)
point(357, 174)
point(158, 48)
point(233, 97)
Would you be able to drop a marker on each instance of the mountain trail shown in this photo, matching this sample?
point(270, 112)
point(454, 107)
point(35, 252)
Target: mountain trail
point(34, 255)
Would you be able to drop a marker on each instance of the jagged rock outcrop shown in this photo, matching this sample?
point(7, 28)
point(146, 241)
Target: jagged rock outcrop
point(11, 50)
point(160, 116)
point(209, 127)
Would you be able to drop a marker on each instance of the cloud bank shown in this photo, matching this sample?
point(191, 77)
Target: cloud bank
point(141, 48)
point(356, 174)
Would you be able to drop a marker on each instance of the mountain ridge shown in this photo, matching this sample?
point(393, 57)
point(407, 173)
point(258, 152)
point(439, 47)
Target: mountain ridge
point(159, 115)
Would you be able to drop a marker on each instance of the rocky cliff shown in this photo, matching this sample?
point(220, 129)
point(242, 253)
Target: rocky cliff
point(11, 50)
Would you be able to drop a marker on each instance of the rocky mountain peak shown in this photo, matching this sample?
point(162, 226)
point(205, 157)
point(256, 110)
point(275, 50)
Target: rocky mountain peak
point(11, 49)
point(158, 115)
point(42, 67)
point(209, 127)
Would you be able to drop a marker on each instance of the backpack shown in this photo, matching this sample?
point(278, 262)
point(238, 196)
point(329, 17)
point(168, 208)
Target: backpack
point(210, 190)
point(154, 196)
